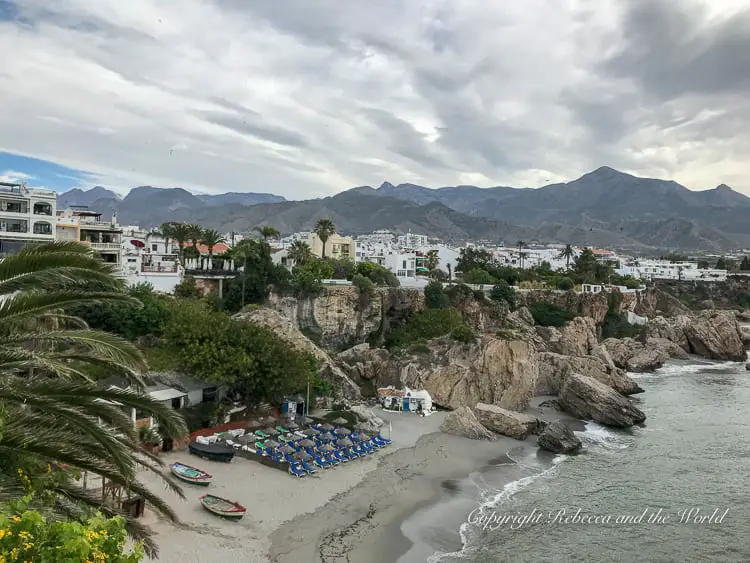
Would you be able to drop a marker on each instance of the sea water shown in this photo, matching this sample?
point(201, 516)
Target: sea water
point(674, 489)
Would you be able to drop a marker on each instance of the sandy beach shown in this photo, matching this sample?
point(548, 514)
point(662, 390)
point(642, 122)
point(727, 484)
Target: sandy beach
point(349, 513)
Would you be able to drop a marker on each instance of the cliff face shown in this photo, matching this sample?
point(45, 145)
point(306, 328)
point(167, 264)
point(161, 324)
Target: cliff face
point(339, 317)
point(708, 295)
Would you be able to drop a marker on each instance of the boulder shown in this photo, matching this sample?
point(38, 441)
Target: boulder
point(672, 329)
point(575, 338)
point(716, 335)
point(554, 369)
point(364, 363)
point(463, 422)
point(745, 334)
point(588, 399)
point(558, 438)
point(368, 421)
point(508, 423)
point(632, 355)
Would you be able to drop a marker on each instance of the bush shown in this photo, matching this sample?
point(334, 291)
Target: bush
point(548, 314)
point(188, 289)
point(478, 276)
point(463, 333)
point(364, 285)
point(459, 292)
point(502, 292)
point(379, 275)
point(435, 296)
point(565, 284)
point(425, 325)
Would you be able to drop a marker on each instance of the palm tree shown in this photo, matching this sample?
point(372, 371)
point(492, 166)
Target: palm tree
point(299, 251)
point(195, 232)
point(521, 245)
point(211, 238)
point(568, 253)
point(431, 261)
point(181, 234)
point(324, 228)
point(267, 232)
point(53, 414)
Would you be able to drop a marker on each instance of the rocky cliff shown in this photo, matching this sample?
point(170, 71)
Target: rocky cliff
point(730, 294)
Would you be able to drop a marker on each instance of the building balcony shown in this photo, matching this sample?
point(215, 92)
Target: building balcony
point(105, 246)
point(164, 268)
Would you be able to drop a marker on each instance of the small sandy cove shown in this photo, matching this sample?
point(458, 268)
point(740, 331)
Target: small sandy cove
point(272, 497)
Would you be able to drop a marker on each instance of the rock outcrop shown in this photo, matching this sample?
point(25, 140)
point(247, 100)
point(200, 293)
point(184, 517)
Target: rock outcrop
point(575, 338)
point(286, 330)
point(632, 355)
point(586, 398)
point(368, 420)
point(463, 422)
point(558, 438)
point(715, 335)
point(554, 369)
point(490, 370)
point(508, 423)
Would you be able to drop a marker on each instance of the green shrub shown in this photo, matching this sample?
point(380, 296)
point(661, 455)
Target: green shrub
point(435, 296)
point(548, 314)
point(425, 325)
point(478, 276)
point(463, 333)
point(565, 284)
point(364, 285)
point(379, 275)
point(418, 347)
point(507, 334)
point(502, 292)
point(459, 292)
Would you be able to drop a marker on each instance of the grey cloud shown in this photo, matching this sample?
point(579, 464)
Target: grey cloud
point(672, 49)
point(246, 126)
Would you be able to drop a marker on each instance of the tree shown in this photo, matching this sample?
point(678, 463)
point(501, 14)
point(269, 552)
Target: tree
point(703, 265)
point(521, 245)
point(52, 413)
point(195, 232)
point(568, 254)
point(472, 258)
point(252, 359)
point(299, 252)
point(585, 266)
point(431, 262)
point(745, 264)
point(721, 264)
point(379, 275)
point(259, 273)
point(210, 238)
point(267, 232)
point(435, 296)
point(180, 232)
point(324, 228)
point(308, 277)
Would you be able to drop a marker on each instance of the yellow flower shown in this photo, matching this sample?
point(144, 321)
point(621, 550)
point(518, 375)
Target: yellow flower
point(2, 535)
point(103, 532)
point(49, 468)
point(24, 535)
point(15, 518)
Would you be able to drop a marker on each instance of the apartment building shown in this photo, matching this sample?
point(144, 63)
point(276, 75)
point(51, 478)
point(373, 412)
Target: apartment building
point(337, 246)
point(27, 215)
point(105, 237)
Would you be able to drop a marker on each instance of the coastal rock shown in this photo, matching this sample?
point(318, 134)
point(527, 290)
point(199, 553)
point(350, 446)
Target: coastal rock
point(285, 329)
point(631, 355)
point(463, 422)
point(672, 329)
point(489, 370)
point(575, 338)
point(716, 335)
point(554, 369)
point(508, 423)
point(586, 398)
point(745, 334)
point(559, 439)
point(368, 420)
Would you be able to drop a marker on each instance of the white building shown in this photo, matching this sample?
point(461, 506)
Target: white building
point(26, 215)
point(149, 258)
point(411, 241)
point(666, 270)
point(105, 237)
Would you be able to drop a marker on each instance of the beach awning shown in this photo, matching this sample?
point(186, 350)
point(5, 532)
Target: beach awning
point(343, 442)
point(304, 456)
point(271, 431)
point(342, 431)
point(327, 426)
point(340, 420)
point(306, 443)
point(287, 450)
point(291, 425)
point(310, 432)
point(327, 448)
point(272, 443)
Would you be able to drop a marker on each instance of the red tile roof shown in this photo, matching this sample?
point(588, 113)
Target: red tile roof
point(203, 249)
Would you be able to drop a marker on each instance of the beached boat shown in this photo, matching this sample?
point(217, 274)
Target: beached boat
point(223, 507)
point(213, 452)
point(191, 474)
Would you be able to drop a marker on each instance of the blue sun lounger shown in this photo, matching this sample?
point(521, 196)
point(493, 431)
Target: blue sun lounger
point(309, 468)
point(330, 458)
point(320, 462)
point(341, 456)
point(296, 470)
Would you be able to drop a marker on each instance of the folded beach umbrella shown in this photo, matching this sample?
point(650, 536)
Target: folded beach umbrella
point(254, 425)
point(328, 437)
point(344, 442)
point(271, 431)
point(311, 432)
point(287, 450)
point(327, 448)
point(306, 443)
point(327, 426)
point(291, 425)
point(302, 456)
point(342, 431)
point(272, 443)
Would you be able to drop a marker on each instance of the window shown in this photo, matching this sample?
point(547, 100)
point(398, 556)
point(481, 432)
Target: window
point(42, 228)
point(42, 209)
point(404, 265)
point(209, 394)
point(154, 247)
point(14, 206)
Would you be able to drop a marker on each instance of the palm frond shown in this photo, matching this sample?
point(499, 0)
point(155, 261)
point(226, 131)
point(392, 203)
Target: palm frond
point(32, 303)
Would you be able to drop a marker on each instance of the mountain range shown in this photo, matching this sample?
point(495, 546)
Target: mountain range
point(604, 207)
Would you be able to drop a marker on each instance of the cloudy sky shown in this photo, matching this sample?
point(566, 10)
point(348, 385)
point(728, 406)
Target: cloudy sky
point(305, 98)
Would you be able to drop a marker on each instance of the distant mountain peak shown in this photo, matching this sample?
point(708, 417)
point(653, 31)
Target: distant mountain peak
point(386, 186)
point(724, 188)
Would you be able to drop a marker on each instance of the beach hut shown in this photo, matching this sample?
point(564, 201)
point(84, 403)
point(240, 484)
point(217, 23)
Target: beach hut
point(293, 406)
point(391, 398)
point(413, 400)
